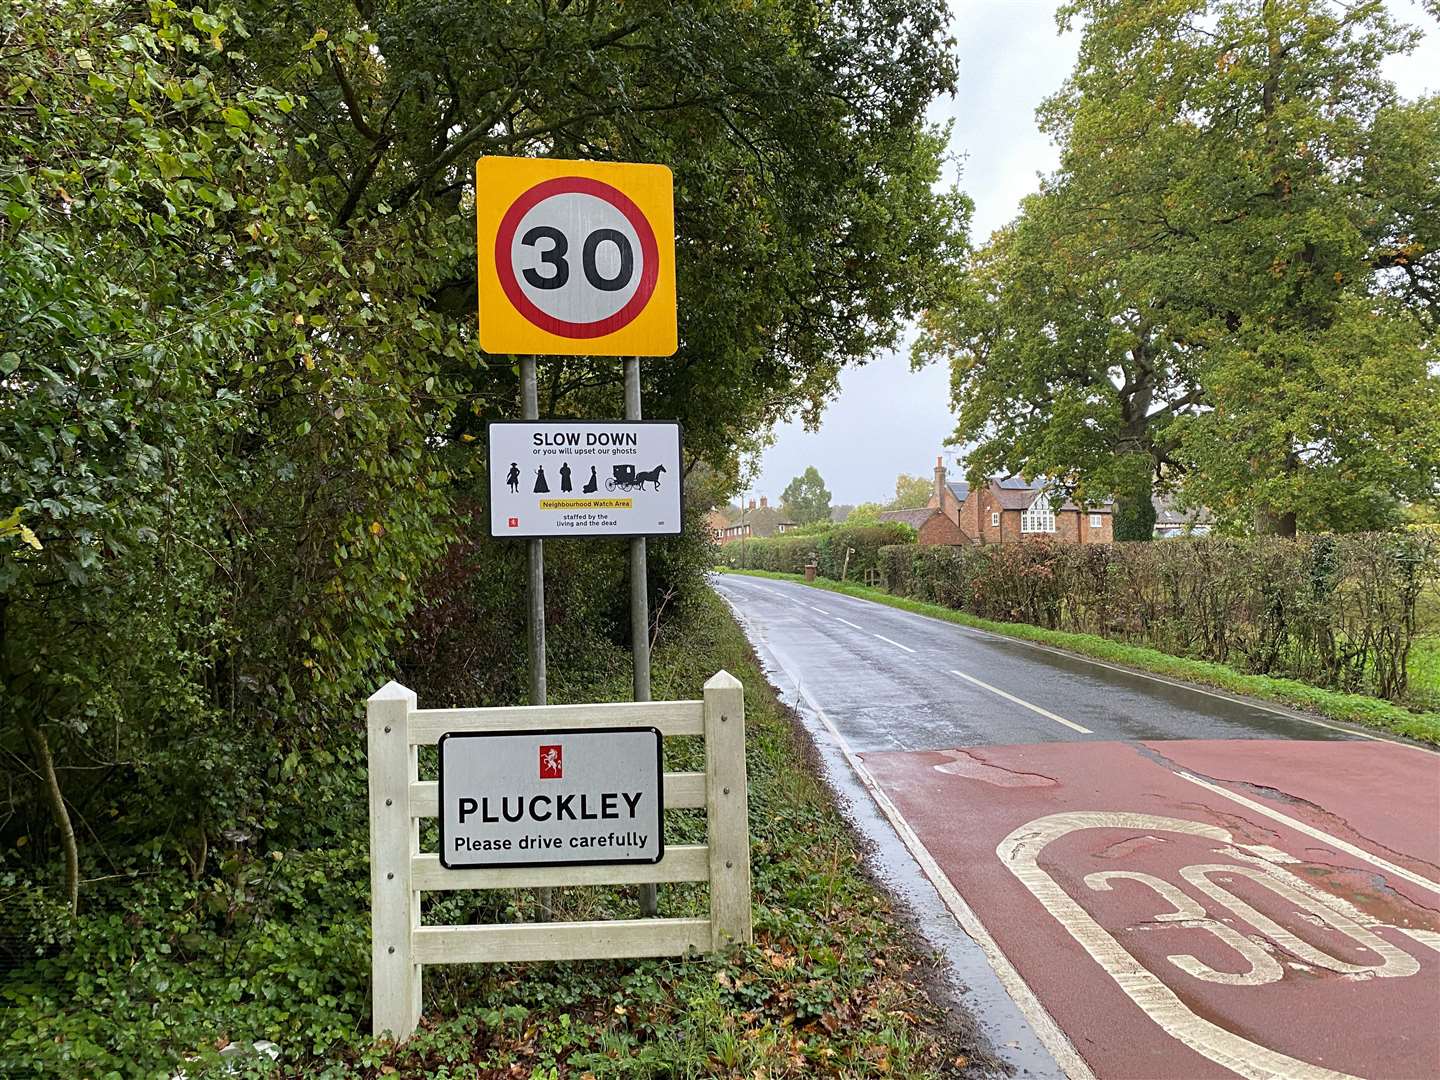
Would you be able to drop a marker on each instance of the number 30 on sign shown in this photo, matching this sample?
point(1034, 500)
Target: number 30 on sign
point(575, 257)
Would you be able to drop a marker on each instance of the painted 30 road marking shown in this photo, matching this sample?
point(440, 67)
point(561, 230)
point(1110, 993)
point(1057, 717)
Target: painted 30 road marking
point(1258, 864)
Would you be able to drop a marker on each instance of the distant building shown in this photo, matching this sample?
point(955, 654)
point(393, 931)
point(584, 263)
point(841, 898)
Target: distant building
point(751, 521)
point(1170, 520)
point(1006, 510)
point(717, 522)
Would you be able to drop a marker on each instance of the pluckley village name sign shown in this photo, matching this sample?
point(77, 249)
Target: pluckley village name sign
point(559, 797)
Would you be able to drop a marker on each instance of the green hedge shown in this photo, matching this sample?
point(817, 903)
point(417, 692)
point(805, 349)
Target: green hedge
point(789, 554)
point(1333, 611)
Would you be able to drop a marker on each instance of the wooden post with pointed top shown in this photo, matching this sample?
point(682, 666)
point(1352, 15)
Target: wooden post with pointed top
point(727, 815)
point(394, 839)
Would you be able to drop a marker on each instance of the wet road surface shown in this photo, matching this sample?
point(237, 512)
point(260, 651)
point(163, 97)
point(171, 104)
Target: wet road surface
point(1167, 882)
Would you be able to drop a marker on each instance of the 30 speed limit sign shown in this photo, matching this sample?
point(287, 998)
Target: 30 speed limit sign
point(575, 257)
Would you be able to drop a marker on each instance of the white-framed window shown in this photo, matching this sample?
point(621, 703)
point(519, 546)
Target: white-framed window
point(994, 519)
point(1094, 521)
point(1039, 518)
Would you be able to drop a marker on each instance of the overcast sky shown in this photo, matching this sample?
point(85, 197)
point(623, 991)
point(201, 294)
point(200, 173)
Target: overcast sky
point(886, 420)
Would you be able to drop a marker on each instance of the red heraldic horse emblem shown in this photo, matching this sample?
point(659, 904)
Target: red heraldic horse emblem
point(551, 767)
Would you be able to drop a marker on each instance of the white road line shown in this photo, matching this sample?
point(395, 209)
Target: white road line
point(821, 610)
point(1041, 1022)
point(850, 624)
point(1311, 831)
point(1021, 701)
point(897, 645)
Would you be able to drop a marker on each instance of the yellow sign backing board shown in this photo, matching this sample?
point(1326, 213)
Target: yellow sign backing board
point(575, 257)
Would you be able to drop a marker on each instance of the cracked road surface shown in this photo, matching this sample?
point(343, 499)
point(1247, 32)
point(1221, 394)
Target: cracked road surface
point(1169, 883)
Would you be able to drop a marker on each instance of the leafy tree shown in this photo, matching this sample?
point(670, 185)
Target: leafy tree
point(1055, 370)
point(805, 498)
point(215, 427)
point(808, 227)
point(866, 514)
point(1229, 285)
point(910, 492)
point(237, 339)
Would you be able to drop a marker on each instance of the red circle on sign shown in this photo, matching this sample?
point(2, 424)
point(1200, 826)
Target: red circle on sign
point(649, 253)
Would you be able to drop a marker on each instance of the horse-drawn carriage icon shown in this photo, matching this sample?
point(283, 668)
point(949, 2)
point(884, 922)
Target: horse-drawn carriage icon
point(627, 479)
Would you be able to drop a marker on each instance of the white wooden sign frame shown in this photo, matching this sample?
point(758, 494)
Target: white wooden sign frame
point(400, 871)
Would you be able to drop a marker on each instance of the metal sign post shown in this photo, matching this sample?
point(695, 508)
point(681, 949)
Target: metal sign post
point(639, 605)
point(535, 592)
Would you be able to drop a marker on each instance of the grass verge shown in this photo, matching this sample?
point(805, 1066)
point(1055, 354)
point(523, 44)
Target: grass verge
point(164, 970)
point(1351, 708)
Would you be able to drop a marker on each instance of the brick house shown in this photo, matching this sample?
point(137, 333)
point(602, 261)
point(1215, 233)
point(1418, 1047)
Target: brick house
point(930, 525)
point(1004, 511)
point(716, 523)
point(749, 521)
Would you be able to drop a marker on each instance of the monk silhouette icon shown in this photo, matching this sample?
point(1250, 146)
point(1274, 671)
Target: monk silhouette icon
point(593, 484)
point(565, 477)
point(513, 478)
point(540, 484)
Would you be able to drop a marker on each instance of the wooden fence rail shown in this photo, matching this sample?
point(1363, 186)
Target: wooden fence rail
point(400, 872)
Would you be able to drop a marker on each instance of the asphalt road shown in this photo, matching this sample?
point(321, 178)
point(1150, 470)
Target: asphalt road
point(1166, 882)
point(890, 680)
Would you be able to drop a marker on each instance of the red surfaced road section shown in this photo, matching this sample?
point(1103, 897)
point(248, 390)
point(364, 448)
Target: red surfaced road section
point(1173, 930)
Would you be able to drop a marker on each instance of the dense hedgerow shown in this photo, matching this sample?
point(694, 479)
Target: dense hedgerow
point(163, 967)
point(789, 554)
point(1334, 611)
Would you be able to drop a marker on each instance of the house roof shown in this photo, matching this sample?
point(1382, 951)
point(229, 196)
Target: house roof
point(959, 488)
point(914, 518)
point(1013, 493)
point(1168, 514)
point(764, 520)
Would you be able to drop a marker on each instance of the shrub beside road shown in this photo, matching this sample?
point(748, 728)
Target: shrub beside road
point(159, 965)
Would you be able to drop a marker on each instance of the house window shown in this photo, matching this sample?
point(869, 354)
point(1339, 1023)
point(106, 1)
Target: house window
point(1039, 518)
point(994, 519)
point(1094, 521)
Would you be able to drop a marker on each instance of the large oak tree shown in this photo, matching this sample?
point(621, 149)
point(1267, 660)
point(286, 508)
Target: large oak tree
point(1229, 284)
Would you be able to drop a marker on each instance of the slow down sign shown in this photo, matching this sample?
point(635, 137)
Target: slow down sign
point(556, 798)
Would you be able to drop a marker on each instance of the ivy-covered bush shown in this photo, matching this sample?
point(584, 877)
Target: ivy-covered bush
point(1336, 611)
point(790, 554)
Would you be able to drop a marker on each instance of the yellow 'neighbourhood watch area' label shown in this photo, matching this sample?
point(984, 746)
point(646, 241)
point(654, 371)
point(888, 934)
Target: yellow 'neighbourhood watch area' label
point(575, 257)
point(586, 504)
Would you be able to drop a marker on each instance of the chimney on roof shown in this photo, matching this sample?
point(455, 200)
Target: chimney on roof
point(764, 503)
point(752, 504)
point(940, 481)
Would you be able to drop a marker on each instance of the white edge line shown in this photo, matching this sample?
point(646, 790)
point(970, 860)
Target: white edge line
point(1021, 701)
point(1041, 1022)
point(1192, 687)
point(1311, 831)
point(887, 641)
